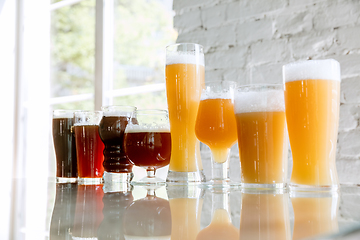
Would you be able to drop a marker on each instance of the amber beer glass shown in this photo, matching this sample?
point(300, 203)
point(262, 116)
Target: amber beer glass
point(312, 101)
point(64, 145)
point(147, 143)
point(262, 135)
point(118, 167)
point(89, 147)
point(216, 127)
point(184, 80)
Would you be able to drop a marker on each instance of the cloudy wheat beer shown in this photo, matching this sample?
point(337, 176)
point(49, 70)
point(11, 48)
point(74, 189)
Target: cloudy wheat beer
point(312, 96)
point(262, 136)
point(184, 80)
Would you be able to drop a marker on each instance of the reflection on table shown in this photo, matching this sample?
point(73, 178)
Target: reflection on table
point(184, 213)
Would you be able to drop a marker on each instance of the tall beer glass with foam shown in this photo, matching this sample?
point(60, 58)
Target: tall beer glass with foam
point(312, 100)
point(184, 80)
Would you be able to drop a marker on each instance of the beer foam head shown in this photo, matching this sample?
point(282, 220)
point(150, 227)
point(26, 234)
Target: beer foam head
point(133, 128)
point(63, 114)
point(190, 57)
point(328, 69)
point(117, 114)
point(259, 101)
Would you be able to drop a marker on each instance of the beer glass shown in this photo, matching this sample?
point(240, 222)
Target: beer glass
point(215, 126)
point(184, 80)
point(64, 145)
point(262, 135)
point(147, 143)
point(117, 166)
point(89, 147)
point(312, 101)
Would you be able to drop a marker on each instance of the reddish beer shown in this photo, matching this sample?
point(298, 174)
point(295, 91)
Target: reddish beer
point(89, 151)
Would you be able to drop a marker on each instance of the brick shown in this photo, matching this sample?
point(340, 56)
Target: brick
point(253, 31)
point(214, 16)
point(243, 9)
point(349, 116)
point(181, 22)
point(349, 64)
point(267, 73)
point(313, 45)
point(233, 57)
point(293, 23)
point(349, 144)
point(350, 90)
point(304, 2)
point(348, 170)
point(186, 5)
point(349, 38)
point(336, 15)
point(270, 51)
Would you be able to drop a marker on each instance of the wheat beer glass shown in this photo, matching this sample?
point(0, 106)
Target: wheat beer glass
point(89, 147)
point(117, 166)
point(216, 127)
point(147, 143)
point(184, 80)
point(64, 145)
point(262, 136)
point(312, 101)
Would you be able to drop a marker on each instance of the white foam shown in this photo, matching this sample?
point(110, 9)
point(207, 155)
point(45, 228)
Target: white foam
point(133, 128)
point(117, 114)
point(185, 57)
point(269, 101)
point(328, 69)
point(206, 95)
point(63, 114)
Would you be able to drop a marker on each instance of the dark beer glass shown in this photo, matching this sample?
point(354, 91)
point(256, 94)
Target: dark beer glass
point(64, 145)
point(89, 147)
point(148, 143)
point(117, 166)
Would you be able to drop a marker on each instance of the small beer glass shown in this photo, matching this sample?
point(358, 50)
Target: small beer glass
point(64, 145)
point(147, 143)
point(262, 135)
point(215, 126)
point(89, 147)
point(312, 103)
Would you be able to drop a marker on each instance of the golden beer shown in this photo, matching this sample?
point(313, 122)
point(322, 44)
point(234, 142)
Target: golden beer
point(262, 136)
point(184, 74)
point(312, 100)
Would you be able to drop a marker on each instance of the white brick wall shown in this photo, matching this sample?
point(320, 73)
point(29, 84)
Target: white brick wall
point(249, 40)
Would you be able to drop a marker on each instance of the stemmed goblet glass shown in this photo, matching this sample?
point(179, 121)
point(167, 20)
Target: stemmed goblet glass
point(147, 143)
point(216, 127)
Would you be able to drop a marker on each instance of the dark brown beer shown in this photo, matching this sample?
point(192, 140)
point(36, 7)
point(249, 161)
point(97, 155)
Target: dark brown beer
point(65, 149)
point(148, 149)
point(111, 130)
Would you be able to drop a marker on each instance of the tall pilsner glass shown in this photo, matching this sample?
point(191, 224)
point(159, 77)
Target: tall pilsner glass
point(184, 80)
point(312, 101)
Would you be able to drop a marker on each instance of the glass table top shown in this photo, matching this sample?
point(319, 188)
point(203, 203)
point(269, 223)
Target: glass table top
point(113, 211)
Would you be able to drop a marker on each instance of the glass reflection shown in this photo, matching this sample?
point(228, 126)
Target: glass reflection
point(264, 215)
point(88, 211)
point(116, 199)
point(148, 218)
point(185, 205)
point(220, 226)
point(62, 219)
point(315, 213)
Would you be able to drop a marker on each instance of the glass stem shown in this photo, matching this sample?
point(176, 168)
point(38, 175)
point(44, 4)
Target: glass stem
point(220, 171)
point(150, 172)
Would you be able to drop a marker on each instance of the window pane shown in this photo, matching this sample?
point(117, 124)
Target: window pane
point(142, 30)
point(73, 51)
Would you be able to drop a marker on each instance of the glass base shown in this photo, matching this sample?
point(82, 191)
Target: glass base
point(90, 181)
point(221, 183)
point(259, 186)
point(118, 177)
point(185, 178)
point(313, 188)
point(146, 181)
point(65, 180)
